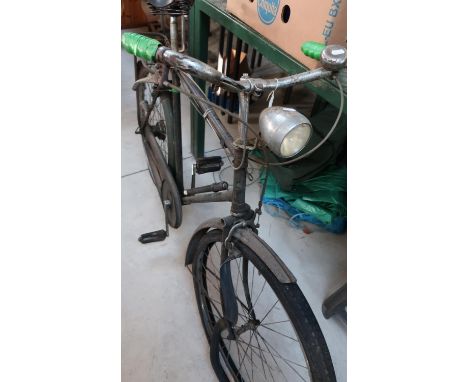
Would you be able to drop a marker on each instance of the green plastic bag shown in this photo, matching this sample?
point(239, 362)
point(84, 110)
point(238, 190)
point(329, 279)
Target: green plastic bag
point(323, 197)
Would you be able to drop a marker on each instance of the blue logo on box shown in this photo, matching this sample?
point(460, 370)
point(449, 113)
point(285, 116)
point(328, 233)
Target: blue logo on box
point(267, 10)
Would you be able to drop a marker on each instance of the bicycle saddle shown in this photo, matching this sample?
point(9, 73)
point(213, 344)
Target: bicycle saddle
point(169, 7)
point(160, 3)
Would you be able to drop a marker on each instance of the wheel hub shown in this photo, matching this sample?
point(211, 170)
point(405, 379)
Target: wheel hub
point(251, 324)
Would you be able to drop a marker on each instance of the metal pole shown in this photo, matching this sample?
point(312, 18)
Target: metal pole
point(238, 206)
point(173, 32)
point(235, 74)
point(182, 34)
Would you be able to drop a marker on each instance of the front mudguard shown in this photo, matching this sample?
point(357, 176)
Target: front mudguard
point(214, 223)
point(250, 239)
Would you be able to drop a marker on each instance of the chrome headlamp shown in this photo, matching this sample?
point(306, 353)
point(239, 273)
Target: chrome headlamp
point(284, 130)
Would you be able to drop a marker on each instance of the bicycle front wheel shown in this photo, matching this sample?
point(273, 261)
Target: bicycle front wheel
point(277, 337)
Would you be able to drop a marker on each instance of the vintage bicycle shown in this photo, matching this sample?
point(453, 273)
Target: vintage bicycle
point(257, 321)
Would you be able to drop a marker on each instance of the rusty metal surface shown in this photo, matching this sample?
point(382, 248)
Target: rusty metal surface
point(214, 223)
point(221, 196)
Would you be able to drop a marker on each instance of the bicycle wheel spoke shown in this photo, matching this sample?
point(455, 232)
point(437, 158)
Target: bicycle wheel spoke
point(259, 355)
point(277, 322)
point(274, 360)
point(238, 357)
point(262, 356)
point(284, 335)
point(246, 308)
point(214, 286)
point(245, 353)
point(212, 273)
point(250, 359)
point(259, 348)
point(238, 275)
point(245, 283)
point(206, 293)
point(211, 258)
point(279, 355)
point(216, 315)
point(269, 311)
point(242, 362)
point(263, 287)
point(286, 361)
point(253, 275)
point(229, 348)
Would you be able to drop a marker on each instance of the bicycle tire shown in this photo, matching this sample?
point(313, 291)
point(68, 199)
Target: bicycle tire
point(157, 134)
point(309, 335)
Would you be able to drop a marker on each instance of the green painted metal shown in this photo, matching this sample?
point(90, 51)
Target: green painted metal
point(140, 46)
point(198, 47)
point(204, 10)
point(216, 10)
point(313, 49)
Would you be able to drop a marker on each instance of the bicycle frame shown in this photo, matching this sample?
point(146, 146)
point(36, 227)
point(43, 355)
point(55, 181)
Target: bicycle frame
point(238, 229)
point(237, 195)
point(189, 67)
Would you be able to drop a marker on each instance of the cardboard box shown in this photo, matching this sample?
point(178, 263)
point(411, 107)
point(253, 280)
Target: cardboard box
point(290, 23)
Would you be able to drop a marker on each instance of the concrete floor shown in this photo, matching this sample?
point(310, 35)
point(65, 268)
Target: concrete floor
point(162, 336)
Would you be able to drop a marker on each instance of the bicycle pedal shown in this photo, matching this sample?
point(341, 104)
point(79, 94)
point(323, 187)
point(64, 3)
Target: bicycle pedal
point(152, 237)
point(208, 164)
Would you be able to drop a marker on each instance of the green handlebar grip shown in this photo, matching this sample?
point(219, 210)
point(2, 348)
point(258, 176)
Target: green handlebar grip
point(312, 49)
point(140, 46)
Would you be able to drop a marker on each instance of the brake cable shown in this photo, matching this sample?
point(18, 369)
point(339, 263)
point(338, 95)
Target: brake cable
point(236, 116)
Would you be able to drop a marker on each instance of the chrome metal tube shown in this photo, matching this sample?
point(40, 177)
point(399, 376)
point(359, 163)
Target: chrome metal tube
point(197, 68)
point(205, 72)
point(259, 84)
point(209, 113)
point(182, 33)
point(173, 32)
point(243, 115)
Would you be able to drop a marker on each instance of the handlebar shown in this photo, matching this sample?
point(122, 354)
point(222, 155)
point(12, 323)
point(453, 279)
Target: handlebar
point(332, 57)
point(140, 46)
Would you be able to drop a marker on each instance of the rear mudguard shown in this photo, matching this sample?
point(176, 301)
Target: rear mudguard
point(250, 239)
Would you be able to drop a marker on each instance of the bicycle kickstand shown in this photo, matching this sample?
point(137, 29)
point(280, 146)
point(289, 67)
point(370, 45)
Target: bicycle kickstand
point(159, 235)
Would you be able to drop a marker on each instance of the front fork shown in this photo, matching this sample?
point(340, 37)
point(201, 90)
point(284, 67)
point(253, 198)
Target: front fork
point(229, 299)
point(242, 215)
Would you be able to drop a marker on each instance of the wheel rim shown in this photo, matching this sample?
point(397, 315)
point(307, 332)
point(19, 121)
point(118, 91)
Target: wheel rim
point(267, 347)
